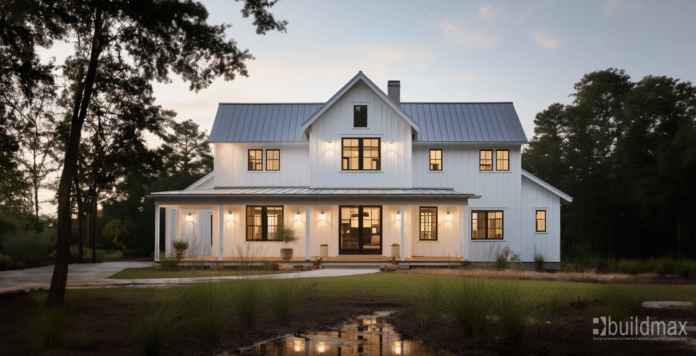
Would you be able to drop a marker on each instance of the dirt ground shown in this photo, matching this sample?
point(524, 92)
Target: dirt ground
point(103, 327)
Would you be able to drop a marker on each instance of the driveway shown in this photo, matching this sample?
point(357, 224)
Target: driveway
point(97, 275)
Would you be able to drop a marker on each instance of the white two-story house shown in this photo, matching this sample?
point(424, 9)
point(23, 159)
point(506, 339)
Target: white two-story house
point(361, 172)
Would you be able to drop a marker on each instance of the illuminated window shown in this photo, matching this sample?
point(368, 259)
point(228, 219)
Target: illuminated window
point(255, 160)
point(428, 223)
point(361, 154)
point(486, 160)
point(541, 220)
point(435, 160)
point(486, 225)
point(262, 222)
point(360, 116)
point(502, 160)
point(272, 160)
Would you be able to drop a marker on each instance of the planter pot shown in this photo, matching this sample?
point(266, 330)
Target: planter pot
point(181, 253)
point(285, 254)
point(396, 252)
point(323, 251)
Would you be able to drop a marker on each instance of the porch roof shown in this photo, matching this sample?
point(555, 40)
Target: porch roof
point(324, 195)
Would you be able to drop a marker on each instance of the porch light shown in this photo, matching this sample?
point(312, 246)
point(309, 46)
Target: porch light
point(189, 217)
point(322, 216)
point(329, 145)
point(230, 216)
point(391, 146)
point(398, 216)
point(321, 347)
point(448, 217)
point(297, 216)
point(397, 347)
point(298, 345)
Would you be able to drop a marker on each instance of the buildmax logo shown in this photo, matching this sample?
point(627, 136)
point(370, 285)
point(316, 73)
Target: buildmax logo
point(605, 327)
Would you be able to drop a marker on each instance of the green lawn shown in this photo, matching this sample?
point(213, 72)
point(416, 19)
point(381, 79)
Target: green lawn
point(140, 273)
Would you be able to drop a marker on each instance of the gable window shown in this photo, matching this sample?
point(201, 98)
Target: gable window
point(360, 116)
point(436, 160)
point(487, 225)
point(262, 222)
point(486, 160)
point(255, 160)
point(502, 160)
point(541, 221)
point(272, 160)
point(361, 154)
point(428, 223)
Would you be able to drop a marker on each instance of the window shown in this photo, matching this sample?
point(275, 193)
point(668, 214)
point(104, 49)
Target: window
point(255, 160)
point(486, 160)
point(262, 222)
point(360, 116)
point(435, 160)
point(486, 225)
point(428, 223)
point(272, 160)
point(541, 220)
point(361, 154)
point(502, 160)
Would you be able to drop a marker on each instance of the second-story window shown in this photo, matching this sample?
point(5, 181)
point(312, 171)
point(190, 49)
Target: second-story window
point(435, 160)
point(486, 160)
point(361, 154)
point(272, 160)
point(502, 160)
point(255, 160)
point(360, 116)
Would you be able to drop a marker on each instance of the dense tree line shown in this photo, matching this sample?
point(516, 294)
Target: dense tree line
point(626, 152)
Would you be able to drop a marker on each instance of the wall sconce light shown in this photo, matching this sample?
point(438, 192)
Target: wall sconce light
point(297, 216)
point(448, 217)
point(391, 146)
point(398, 216)
point(189, 217)
point(230, 216)
point(322, 216)
point(321, 347)
point(397, 347)
point(330, 145)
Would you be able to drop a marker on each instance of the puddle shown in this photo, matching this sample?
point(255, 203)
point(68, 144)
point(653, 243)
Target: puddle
point(365, 335)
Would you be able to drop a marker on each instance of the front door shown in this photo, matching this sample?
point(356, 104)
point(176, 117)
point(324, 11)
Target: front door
point(360, 232)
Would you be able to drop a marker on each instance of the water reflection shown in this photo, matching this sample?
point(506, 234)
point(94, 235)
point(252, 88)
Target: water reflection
point(367, 335)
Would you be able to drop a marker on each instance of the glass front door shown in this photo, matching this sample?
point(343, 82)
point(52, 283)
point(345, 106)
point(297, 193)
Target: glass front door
point(360, 232)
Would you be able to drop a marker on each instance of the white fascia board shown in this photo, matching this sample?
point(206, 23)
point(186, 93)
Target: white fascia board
point(547, 186)
point(199, 182)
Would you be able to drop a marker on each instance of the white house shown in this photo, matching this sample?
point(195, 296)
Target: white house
point(361, 172)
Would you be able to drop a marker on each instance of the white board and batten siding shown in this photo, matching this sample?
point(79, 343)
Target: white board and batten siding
point(382, 122)
point(232, 165)
point(548, 244)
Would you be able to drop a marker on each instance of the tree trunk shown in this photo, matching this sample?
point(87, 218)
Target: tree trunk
point(56, 294)
point(93, 226)
point(80, 220)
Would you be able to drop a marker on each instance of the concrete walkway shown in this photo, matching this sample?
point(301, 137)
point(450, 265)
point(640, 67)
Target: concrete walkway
point(97, 276)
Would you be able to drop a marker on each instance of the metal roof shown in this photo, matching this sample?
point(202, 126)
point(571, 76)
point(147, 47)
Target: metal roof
point(313, 192)
point(261, 122)
point(547, 186)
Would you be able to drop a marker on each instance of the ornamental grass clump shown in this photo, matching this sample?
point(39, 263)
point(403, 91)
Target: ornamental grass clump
point(45, 327)
point(511, 305)
point(429, 301)
point(467, 302)
point(284, 296)
point(153, 329)
point(205, 307)
point(247, 299)
point(618, 300)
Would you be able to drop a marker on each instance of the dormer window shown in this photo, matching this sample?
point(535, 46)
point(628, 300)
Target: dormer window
point(360, 116)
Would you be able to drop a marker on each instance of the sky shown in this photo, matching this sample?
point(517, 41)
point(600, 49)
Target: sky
point(527, 52)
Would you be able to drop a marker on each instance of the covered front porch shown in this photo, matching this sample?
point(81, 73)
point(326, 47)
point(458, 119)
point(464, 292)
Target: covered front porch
point(228, 226)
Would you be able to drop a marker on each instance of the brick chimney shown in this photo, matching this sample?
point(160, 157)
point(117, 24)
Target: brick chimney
point(394, 91)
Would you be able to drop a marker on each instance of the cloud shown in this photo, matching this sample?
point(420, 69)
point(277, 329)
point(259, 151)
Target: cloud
point(489, 14)
point(544, 39)
point(462, 36)
point(613, 6)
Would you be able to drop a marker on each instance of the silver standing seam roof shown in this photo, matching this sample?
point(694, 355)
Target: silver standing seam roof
point(296, 192)
point(440, 122)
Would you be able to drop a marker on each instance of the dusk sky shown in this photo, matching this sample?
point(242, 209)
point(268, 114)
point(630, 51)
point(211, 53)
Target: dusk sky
point(444, 51)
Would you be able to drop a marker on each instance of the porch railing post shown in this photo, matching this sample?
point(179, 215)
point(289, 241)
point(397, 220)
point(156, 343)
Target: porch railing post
point(221, 228)
point(307, 232)
point(157, 232)
point(403, 217)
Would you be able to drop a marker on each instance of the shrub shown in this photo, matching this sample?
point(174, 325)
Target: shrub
point(153, 329)
point(501, 262)
point(429, 301)
point(618, 300)
point(247, 300)
point(467, 302)
point(388, 268)
point(45, 327)
point(205, 307)
point(466, 264)
point(665, 266)
point(504, 256)
point(284, 235)
point(271, 266)
point(283, 296)
point(6, 262)
point(685, 268)
point(511, 306)
point(169, 264)
point(539, 262)
point(117, 231)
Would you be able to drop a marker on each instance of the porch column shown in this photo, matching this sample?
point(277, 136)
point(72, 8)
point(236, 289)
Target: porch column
point(403, 217)
point(157, 232)
point(464, 227)
point(221, 228)
point(307, 253)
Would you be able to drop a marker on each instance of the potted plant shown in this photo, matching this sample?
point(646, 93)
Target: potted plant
point(396, 251)
point(180, 246)
point(285, 236)
point(323, 250)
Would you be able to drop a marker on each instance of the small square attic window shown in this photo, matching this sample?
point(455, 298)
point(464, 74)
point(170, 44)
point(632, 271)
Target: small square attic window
point(360, 116)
